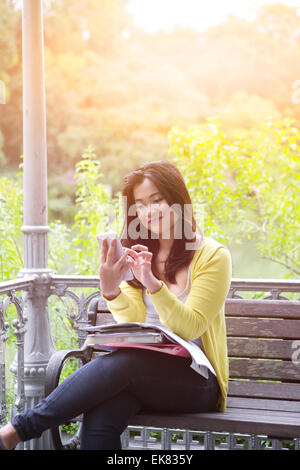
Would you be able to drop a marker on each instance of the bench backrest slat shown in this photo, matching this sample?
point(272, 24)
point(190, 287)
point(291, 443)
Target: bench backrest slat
point(263, 327)
point(270, 405)
point(257, 389)
point(260, 369)
point(104, 318)
point(262, 308)
point(257, 348)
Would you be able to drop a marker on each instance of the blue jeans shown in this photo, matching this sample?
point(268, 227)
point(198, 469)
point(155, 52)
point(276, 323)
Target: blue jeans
point(111, 389)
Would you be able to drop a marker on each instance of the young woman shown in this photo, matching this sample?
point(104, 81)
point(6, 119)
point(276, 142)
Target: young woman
point(181, 280)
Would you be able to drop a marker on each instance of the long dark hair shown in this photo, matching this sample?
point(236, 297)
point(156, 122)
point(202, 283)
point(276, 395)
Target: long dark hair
point(170, 183)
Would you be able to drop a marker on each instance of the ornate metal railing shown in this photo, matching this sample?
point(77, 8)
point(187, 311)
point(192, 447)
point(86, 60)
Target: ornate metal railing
point(30, 327)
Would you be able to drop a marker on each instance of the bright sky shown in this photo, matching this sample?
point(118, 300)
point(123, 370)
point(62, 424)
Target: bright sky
point(154, 15)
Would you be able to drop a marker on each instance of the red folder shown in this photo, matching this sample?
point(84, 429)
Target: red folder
point(167, 348)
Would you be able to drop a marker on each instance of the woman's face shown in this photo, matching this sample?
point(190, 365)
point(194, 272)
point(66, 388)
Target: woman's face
point(153, 209)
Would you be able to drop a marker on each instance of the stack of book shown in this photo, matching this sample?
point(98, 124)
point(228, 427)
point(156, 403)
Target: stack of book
point(145, 336)
point(124, 333)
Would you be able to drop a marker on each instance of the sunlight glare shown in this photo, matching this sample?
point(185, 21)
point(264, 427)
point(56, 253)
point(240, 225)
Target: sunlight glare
point(154, 15)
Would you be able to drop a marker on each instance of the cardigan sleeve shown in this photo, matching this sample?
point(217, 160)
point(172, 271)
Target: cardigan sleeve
point(209, 288)
point(128, 306)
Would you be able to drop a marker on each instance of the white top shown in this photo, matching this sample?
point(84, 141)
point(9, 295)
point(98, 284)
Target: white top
point(153, 317)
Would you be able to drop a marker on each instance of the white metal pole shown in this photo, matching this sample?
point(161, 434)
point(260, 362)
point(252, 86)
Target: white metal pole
point(34, 138)
point(38, 346)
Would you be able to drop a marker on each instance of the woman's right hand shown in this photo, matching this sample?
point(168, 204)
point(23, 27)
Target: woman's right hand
point(111, 273)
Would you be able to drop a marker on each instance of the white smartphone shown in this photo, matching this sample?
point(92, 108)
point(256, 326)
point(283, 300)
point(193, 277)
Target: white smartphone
point(127, 276)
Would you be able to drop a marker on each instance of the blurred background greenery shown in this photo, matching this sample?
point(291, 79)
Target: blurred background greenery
point(112, 86)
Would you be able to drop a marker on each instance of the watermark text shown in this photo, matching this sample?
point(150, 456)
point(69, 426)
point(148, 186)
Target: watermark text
point(296, 353)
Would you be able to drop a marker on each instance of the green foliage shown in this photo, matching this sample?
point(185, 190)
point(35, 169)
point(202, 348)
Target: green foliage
point(60, 244)
point(61, 197)
point(247, 188)
point(11, 217)
point(92, 217)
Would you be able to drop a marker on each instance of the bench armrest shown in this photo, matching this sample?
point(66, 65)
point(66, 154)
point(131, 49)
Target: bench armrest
point(56, 363)
point(52, 376)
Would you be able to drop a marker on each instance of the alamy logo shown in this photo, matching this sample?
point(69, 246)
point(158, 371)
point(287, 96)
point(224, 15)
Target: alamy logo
point(296, 353)
point(2, 92)
point(142, 223)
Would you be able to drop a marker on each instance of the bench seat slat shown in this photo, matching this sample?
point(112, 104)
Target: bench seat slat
point(291, 418)
point(232, 420)
point(263, 327)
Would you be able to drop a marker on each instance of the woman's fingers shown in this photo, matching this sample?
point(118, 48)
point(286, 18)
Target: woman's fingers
point(122, 260)
point(130, 258)
point(146, 255)
point(132, 253)
point(111, 251)
point(140, 257)
point(140, 247)
point(135, 254)
point(103, 251)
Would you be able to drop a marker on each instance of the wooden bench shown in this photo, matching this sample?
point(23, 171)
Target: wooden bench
point(264, 364)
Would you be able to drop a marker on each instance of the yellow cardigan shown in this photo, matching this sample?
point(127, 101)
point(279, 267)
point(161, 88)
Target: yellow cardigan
point(201, 315)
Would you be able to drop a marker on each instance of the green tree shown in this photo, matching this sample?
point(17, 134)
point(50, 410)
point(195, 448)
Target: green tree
point(246, 188)
point(11, 217)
